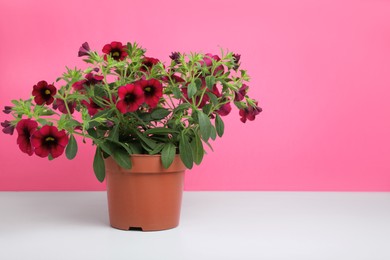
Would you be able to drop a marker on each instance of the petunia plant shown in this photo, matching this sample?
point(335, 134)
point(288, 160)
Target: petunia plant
point(128, 103)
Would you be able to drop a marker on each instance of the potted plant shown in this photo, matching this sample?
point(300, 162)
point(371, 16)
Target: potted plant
point(148, 122)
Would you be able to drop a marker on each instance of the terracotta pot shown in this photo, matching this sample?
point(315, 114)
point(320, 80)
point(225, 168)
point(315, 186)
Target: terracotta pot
point(147, 197)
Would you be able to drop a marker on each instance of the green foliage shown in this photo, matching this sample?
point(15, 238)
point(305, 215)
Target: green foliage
point(204, 125)
point(185, 151)
point(191, 90)
point(210, 81)
point(168, 154)
point(219, 125)
point(71, 148)
point(98, 165)
point(159, 113)
point(197, 149)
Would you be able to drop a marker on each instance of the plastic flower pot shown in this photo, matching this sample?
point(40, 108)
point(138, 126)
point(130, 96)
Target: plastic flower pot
point(146, 197)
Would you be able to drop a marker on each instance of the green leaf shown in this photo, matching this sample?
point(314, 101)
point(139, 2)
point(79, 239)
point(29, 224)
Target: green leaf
point(191, 90)
point(72, 123)
point(185, 151)
point(210, 81)
point(98, 165)
point(149, 142)
point(219, 125)
point(181, 107)
point(213, 98)
point(42, 121)
point(197, 149)
point(160, 113)
point(207, 108)
point(121, 157)
point(198, 83)
point(103, 113)
point(168, 154)
point(106, 147)
point(146, 117)
point(204, 125)
point(209, 145)
point(92, 132)
point(157, 149)
point(15, 102)
point(127, 148)
point(176, 92)
point(160, 131)
point(71, 148)
point(136, 148)
point(114, 133)
point(213, 133)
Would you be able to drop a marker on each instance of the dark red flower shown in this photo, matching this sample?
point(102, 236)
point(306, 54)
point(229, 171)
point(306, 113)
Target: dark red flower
point(48, 140)
point(153, 91)
point(7, 109)
point(208, 61)
point(92, 107)
point(90, 80)
point(225, 109)
point(175, 56)
point(60, 105)
point(236, 58)
point(241, 93)
point(25, 128)
point(43, 93)
point(84, 49)
point(215, 91)
point(148, 63)
point(116, 50)
point(249, 113)
point(131, 98)
point(7, 127)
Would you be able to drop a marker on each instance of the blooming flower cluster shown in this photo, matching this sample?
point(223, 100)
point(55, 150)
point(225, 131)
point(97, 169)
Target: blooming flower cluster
point(130, 103)
point(43, 142)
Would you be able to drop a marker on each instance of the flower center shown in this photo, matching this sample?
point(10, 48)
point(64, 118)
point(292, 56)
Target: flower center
point(47, 92)
point(130, 98)
point(49, 139)
point(149, 90)
point(115, 53)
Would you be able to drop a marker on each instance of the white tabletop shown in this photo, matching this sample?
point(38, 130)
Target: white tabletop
point(214, 225)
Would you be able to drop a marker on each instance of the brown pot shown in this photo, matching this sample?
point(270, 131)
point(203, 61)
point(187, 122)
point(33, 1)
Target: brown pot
point(147, 197)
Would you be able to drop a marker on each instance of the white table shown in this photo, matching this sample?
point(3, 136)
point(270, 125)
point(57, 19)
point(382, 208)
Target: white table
point(214, 225)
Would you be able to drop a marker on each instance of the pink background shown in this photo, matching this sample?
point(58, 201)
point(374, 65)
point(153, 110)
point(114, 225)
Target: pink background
point(320, 70)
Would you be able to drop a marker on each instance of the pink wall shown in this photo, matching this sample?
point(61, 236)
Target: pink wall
point(320, 69)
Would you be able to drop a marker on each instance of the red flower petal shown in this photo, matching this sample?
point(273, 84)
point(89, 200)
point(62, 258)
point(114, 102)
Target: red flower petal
point(42, 151)
point(45, 130)
point(48, 140)
point(42, 84)
point(121, 106)
point(116, 45)
point(25, 145)
point(56, 151)
point(122, 91)
point(107, 48)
